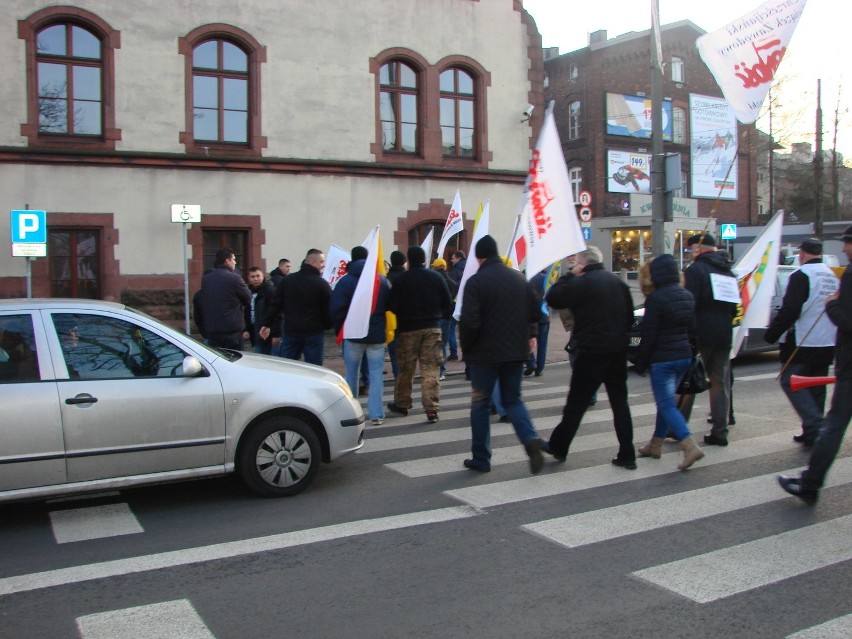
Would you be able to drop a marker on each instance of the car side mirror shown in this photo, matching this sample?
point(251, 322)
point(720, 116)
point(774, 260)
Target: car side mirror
point(192, 367)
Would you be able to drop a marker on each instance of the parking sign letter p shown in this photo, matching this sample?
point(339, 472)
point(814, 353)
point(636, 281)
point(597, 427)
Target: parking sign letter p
point(28, 223)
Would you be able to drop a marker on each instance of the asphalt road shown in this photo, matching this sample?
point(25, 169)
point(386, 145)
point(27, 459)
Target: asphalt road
point(399, 540)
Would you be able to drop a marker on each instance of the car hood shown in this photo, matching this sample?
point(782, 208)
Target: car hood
point(274, 364)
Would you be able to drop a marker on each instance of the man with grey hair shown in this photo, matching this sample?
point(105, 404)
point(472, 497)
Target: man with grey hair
point(603, 314)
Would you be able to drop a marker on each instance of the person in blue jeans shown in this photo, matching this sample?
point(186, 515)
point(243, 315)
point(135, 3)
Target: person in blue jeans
point(536, 362)
point(372, 344)
point(497, 330)
point(668, 333)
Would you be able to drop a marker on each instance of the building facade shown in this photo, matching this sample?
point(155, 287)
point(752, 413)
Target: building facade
point(291, 129)
point(602, 106)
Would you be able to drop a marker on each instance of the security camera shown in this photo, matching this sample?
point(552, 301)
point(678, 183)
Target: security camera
point(528, 111)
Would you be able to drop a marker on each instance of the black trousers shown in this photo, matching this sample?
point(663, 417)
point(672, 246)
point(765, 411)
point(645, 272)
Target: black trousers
point(590, 371)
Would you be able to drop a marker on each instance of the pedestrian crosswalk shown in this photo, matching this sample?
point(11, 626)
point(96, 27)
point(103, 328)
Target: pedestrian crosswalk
point(413, 452)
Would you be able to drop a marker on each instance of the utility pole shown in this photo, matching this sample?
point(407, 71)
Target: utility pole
point(658, 160)
point(818, 162)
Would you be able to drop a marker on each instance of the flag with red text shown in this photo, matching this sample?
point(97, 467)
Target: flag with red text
point(744, 55)
point(549, 224)
point(454, 225)
point(335, 264)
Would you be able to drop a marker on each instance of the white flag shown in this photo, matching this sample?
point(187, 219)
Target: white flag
point(549, 221)
point(455, 224)
point(744, 55)
point(756, 272)
point(357, 323)
point(517, 250)
point(427, 246)
point(471, 266)
point(335, 264)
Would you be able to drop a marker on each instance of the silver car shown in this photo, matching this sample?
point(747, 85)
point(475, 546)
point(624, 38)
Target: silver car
point(96, 396)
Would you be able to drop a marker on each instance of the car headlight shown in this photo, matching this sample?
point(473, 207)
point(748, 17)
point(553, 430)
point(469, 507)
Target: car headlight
point(342, 385)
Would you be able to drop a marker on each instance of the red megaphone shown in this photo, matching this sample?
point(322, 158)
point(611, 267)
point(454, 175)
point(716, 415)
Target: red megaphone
point(798, 382)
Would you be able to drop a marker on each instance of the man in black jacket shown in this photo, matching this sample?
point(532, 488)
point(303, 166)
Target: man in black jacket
point(303, 298)
point(420, 299)
point(807, 336)
point(222, 300)
point(715, 329)
point(497, 328)
point(262, 292)
point(603, 314)
point(839, 309)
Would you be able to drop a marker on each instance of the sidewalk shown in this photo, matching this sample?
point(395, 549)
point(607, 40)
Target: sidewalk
point(557, 338)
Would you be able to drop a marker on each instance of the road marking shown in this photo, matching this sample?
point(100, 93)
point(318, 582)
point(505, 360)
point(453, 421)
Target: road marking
point(839, 628)
point(517, 490)
point(228, 550)
point(175, 619)
point(428, 438)
point(93, 522)
point(425, 467)
point(755, 378)
point(650, 514)
point(730, 571)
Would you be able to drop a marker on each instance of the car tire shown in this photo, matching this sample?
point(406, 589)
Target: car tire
point(279, 457)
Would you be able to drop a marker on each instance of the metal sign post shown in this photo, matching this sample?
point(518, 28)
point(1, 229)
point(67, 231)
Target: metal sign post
point(186, 214)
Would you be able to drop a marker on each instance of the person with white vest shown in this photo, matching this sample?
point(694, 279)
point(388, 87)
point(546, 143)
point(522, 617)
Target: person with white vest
point(807, 336)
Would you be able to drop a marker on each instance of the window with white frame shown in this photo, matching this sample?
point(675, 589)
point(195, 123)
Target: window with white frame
point(574, 129)
point(575, 178)
point(679, 125)
point(677, 70)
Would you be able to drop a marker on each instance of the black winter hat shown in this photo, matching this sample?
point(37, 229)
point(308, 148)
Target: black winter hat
point(847, 235)
point(811, 245)
point(416, 256)
point(486, 247)
point(705, 239)
point(359, 253)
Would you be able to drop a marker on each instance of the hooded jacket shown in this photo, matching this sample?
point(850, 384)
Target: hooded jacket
point(341, 300)
point(714, 319)
point(668, 328)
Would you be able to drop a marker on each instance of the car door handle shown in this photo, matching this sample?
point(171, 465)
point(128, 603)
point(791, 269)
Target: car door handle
point(81, 399)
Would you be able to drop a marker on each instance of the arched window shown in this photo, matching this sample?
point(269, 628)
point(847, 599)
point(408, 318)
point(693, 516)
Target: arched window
point(70, 61)
point(458, 113)
point(574, 124)
point(398, 107)
point(223, 91)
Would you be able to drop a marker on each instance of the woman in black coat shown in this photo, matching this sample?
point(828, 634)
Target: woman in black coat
point(668, 332)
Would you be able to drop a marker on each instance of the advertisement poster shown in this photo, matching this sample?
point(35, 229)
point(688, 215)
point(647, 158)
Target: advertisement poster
point(630, 115)
point(628, 172)
point(714, 148)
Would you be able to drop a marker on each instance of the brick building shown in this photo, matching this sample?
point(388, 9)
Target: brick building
point(602, 110)
point(290, 128)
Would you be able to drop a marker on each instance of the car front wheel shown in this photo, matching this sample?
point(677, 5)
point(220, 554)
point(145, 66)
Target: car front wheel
point(280, 457)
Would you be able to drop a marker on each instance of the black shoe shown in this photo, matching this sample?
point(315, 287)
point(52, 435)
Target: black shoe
point(732, 421)
point(431, 416)
point(533, 448)
point(621, 463)
point(545, 448)
point(453, 358)
point(472, 465)
point(804, 440)
point(504, 419)
point(528, 371)
point(539, 373)
point(793, 485)
point(399, 410)
point(712, 440)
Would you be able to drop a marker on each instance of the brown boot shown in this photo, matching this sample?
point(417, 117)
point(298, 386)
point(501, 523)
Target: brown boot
point(691, 453)
point(653, 448)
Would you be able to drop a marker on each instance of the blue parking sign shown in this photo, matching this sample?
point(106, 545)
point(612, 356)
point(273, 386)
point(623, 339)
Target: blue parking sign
point(29, 227)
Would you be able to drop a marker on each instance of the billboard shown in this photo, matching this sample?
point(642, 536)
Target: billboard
point(630, 115)
point(628, 172)
point(713, 157)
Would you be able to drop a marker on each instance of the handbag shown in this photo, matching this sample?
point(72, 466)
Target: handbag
point(695, 380)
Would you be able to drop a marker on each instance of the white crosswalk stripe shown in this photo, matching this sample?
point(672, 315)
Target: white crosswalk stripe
point(174, 619)
point(728, 571)
point(518, 490)
point(840, 628)
point(649, 514)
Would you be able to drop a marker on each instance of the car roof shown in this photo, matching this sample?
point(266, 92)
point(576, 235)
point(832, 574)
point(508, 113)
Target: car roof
point(22, 303)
